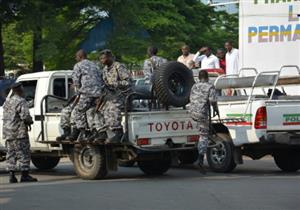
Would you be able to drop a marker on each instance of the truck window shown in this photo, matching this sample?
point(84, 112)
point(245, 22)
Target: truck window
point(29, 89)
point(59, 87)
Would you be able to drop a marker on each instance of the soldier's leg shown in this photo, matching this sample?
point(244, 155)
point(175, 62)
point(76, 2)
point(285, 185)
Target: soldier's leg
point(112, 117)
point(11, 158)
point(202, 143)
point(99, 131)
point(65, 122)
point(23, 151)
point(90, 114)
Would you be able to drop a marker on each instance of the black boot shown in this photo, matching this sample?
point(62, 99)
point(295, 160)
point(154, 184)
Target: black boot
point(83, 135)
point(67, 132)
point(12, 177)
point(101, 136)
point(114, 136)
point(74, 135)
point(201, 164)
point(27, 178)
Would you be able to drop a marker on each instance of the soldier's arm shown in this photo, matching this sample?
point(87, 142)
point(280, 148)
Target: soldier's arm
point(76, 77)
point(23, 110)
point(125, 78)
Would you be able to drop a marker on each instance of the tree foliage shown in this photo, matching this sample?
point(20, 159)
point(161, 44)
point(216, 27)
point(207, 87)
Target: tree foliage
point(63, 26)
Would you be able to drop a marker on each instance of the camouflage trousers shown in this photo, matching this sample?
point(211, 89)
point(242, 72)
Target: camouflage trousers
point(18, 150)
point(203, 137)
point(110, 116)
point(67, 119)
point(81, 110)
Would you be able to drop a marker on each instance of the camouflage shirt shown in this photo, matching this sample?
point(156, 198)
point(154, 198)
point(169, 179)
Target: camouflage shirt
point(116, 76)
point(202, 95)
point(15, 114)
point(150, 65)
point(87, 78)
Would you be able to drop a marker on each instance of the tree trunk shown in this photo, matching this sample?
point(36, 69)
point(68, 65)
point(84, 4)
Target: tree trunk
point(2, 71)
point(37, 59)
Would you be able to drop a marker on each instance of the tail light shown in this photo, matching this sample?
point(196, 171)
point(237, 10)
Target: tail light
point(261, 118)
point(143, 141)
point(193, 138)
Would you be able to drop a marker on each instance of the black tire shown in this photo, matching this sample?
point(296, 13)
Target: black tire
point(187, 157)
point(128, 163)
point(156, 166)
point(220, 158)
point(288, 160)
point(172, 83)
point(89, 162)
point(45, 162)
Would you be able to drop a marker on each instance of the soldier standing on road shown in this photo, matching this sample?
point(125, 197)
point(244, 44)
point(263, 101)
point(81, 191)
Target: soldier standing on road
point(88, 84)
point(16, 121)
point(151, 64)
point(203, 94)
point(118, 84)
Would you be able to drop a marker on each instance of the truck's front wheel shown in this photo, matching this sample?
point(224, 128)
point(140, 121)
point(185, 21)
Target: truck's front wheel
point(45, 162)
point(220, 158)
point(157, 166)
point(288, 161)
point(89, 162)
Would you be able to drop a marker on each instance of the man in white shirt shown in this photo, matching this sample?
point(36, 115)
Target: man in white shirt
point(232, 59)
point(186, 58)
point(207, 59)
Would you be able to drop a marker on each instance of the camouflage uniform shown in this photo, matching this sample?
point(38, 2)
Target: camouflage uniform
point(202, 94)
point(118, 81)
point(16, 117)
point(88, 82)
point(65, 117)
point(150, 65)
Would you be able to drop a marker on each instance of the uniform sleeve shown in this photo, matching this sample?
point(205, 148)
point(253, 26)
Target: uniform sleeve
point(23, 111)
point(147, 69)
point(76, 77)
point(124, 76)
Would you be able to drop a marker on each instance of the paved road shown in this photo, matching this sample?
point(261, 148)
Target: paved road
point(256, 185)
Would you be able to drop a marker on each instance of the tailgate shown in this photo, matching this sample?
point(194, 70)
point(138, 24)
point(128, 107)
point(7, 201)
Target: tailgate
point(283, 115)
point(159, 126)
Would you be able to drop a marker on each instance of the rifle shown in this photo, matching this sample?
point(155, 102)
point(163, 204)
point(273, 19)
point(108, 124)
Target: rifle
point(100, 102)
point(75, 102)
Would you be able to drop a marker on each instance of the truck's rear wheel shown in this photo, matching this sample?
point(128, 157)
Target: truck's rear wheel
point(188, 157)
point(157, 166)
point(45, 162)
point(288, 160)
point(220, 158)
point(89, 162)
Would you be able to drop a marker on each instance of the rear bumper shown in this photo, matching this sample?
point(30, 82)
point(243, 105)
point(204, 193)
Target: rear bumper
point(289, 138)
point(165, 149)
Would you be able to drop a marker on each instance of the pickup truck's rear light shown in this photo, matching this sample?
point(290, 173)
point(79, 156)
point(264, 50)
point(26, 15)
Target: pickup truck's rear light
point(143, 141)
point(193, 138)
point(261, 118)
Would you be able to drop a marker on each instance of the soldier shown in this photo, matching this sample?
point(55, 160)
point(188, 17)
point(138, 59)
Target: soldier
point(151, 64)
point(16, 121)
point(88, 84)
point(203, 94)
point(118, 84)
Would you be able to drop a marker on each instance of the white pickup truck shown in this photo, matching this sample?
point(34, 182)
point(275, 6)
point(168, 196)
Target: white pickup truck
point(152, 137)
point(256, 123)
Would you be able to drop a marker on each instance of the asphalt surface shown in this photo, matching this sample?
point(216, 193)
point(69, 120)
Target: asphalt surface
point(256, 185)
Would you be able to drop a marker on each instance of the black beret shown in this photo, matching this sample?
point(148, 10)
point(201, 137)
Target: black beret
point(16, 85)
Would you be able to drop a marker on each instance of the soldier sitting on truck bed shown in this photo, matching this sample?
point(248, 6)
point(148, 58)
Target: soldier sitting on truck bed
point(203, 94)
point(89, 85)
point(118, 84)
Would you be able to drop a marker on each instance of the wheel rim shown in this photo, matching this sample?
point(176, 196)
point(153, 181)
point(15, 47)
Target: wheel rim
point(176, 84)
point(87, 158)
point(218, 154)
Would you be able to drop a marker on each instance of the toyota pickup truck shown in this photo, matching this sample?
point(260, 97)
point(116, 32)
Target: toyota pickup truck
point(258, 119)
point(152, 137)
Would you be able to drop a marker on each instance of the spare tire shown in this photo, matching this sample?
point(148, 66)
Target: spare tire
point(172, 84)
